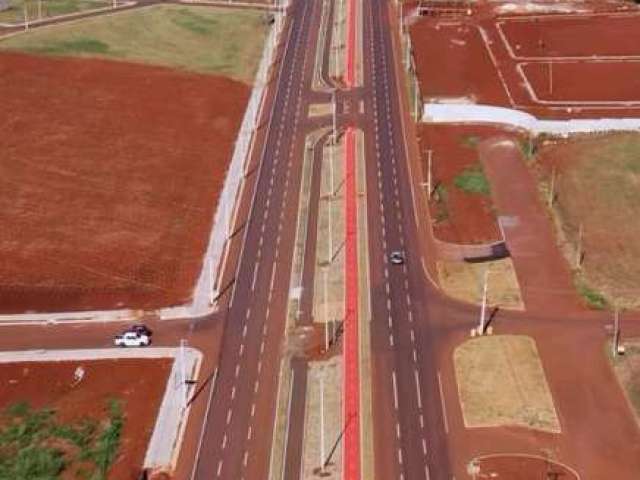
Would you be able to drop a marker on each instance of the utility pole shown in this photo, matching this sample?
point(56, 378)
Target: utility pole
point(552, 187)
point(213, 280)
point(326, 308)
point(416, 90)
point(26, 16)
point(183, 372)
point(483, 310)
point(322, 447)
point(579, 249)
point(429, 175)
point(616, 333)
point(408, 59)
point(334, 113)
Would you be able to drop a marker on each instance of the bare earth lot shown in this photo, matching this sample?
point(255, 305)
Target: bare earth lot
point(107, 185)
point(51, 385)
point(597, 186)
point(461, 206)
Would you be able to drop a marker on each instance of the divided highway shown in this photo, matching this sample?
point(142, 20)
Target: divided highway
point(410, 437)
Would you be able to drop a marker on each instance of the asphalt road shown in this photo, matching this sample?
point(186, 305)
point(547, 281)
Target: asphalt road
point(239, 424)
point(410, 439)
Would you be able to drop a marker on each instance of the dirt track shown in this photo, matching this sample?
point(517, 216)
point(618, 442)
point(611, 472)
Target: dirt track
point(110, 173)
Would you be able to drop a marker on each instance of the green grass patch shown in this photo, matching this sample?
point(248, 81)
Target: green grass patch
point(76, 46)
point(200, 39)
point(470, 141)
point(473, 180)
point(592, 297)
point(35, 446)
point(528, 148)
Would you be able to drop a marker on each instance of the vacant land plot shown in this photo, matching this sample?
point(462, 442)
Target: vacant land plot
point(200, 39)
point(555, 81)
point(597, 180)
point(107, 185)
point(501, 382)
point(573, 36)
point(59, 426)
point(452, 61)
point(36, 9)
point(627, 368)
point(461, 205)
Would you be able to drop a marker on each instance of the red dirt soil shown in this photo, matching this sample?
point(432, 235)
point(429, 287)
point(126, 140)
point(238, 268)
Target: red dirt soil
point(565, 37)
point(620, 81)
point(110, 173)
point(452, 61)
point(523, 468)
point(470, 218)
point(49, 384)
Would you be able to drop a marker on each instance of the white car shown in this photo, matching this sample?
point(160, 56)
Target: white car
point(396, 257)
point(131, 339)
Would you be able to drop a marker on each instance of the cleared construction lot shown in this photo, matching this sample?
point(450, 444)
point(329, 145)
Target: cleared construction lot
point(111, 170)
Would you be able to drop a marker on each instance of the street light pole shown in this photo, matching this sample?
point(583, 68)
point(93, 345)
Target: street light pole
point(483, 310)
point(429, 176)
point(322, 447)
point(616, 333)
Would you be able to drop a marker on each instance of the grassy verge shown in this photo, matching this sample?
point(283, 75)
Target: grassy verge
point(34, 445)
point(627, 369)
point(47, 8)
point(596, 192)
point(501, 382)
point(201, 39)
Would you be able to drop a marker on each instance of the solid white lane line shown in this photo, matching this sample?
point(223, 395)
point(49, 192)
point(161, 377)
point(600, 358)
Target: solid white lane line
point(418, 393)
point(395, 389)
point(255, 274)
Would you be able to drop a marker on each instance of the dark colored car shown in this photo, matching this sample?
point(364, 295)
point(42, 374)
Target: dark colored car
point(140, 329)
